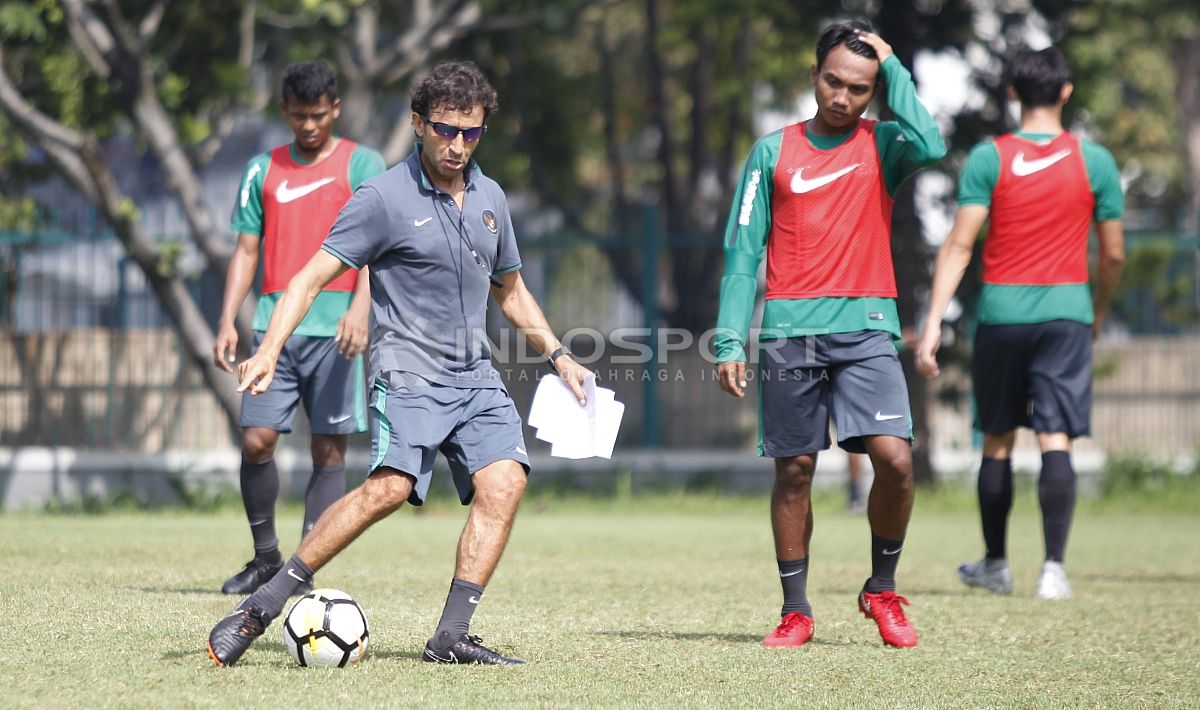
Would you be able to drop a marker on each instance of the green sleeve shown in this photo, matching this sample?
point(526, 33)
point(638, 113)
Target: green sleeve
point(979, 175)
point(745, 244)
point(913, 140)
point(1105, 179)
point(247, 215)
point(365, 163)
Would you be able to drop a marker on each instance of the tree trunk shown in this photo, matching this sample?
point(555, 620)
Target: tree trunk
point(1185, 55)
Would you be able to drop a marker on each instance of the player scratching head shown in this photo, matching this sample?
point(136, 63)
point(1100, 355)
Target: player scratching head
point(845, 76)
point(310, 105)
point(449, 116)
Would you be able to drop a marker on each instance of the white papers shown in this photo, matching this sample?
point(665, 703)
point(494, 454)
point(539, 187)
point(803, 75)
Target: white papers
point(576, 432)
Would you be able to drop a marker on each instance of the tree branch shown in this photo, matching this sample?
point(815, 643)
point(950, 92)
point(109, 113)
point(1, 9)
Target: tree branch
point(90, 36)
point(152, 20)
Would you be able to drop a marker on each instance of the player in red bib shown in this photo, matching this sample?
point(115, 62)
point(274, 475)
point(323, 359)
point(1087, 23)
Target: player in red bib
point(1042, 188)
point(289, 198)
point(816, 201)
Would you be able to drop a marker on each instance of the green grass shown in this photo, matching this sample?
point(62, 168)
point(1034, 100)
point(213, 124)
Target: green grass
point(645, 602)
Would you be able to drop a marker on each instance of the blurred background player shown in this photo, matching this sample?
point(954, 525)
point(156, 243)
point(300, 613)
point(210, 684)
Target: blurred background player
point(854, 472)
point(816, 198)
point(289, 199)
point(1042, 187)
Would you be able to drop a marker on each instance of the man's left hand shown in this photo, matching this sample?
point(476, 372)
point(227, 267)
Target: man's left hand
point(882, 49)
point(573, 374)
point(352, 332)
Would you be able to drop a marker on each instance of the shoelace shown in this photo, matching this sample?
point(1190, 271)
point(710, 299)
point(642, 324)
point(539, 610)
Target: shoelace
point(891, 606)
point(789, 624)
point(252, 622)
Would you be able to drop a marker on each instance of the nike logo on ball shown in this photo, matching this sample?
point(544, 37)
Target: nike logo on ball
point(421, 222)
point(1022, 167)
point(881, 417)
point(801, 185)
point(289, 194)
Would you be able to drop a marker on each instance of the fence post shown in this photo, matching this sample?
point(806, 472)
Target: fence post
point(650, 423)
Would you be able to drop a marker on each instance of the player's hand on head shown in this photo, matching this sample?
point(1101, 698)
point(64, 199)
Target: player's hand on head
point(256, 374)
point(351, 334)
point(225, 346)
point(574, 375)
point(732, 377)
point(883, 49)
point(925, 355)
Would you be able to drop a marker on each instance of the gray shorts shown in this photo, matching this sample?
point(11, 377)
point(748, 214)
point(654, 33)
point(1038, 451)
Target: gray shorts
point(412, 420)
point(310, 370)
point(853, 378)
point(1036, 375)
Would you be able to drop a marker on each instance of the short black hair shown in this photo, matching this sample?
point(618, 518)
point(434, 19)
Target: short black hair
point(306, 82)
point(1038, 77)
point(458, 86)
point(845, 33)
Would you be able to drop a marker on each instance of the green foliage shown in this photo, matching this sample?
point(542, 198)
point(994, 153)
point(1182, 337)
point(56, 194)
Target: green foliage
point(20, 20)
point(1141, 474)
point(1158, 289)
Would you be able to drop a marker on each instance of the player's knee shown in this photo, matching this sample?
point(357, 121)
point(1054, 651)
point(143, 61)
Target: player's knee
point(894, 466)
point(795, 472)
point(383, 493)
point(504, 485)
point(258, 445)
point(328, 450)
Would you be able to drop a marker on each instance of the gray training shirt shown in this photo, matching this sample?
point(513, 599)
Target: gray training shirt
point(429, 294)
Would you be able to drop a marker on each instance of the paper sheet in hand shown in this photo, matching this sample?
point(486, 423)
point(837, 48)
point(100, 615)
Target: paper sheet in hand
point(575, 431)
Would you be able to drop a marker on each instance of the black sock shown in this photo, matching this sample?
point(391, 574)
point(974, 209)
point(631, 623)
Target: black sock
point(885, 555)
point(1056, 494)
point(995, 502)
point(260, 489)
point(460, 607)
point(793, 574)
point(272, 596)
point(325, 486)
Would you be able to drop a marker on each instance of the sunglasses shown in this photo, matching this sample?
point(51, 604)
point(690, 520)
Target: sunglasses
point(449, 132)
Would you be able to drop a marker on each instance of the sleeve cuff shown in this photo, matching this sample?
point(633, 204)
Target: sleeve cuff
point(508, 270)
point(342, 258)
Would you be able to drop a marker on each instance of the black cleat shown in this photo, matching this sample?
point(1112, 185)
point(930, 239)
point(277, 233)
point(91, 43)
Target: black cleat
point(232, 635)
point(255, 574)
point(464, 649)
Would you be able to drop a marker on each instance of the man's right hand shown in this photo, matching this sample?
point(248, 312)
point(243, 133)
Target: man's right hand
point(256, 373)
point(732, 377)
point(925, 355)
point(225, 347)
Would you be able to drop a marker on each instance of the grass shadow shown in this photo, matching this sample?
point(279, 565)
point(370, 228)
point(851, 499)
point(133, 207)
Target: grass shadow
point(180, 590)
point(730, 638)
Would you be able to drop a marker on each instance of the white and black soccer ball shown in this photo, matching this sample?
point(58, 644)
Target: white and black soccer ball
point(326, 628)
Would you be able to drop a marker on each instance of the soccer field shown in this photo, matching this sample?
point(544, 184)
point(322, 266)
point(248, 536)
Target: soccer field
point(653, 602)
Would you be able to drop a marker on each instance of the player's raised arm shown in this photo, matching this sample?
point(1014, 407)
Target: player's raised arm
point(920, 142)
point(257, 372)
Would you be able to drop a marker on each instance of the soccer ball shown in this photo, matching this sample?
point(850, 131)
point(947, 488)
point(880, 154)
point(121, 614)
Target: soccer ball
point(326, 628)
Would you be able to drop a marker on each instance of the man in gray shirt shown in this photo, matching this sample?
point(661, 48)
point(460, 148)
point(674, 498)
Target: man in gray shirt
point(437, 238)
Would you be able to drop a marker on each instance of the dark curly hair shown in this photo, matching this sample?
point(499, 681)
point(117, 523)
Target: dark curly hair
point(459, 86)
point(845, 33)
point(306, 82)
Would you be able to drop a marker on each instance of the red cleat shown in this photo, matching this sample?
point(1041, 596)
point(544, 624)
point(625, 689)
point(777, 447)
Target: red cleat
point(885, 609)
point(794, 630)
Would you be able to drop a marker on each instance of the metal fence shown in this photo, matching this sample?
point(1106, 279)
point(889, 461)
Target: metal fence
point(90, 361)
